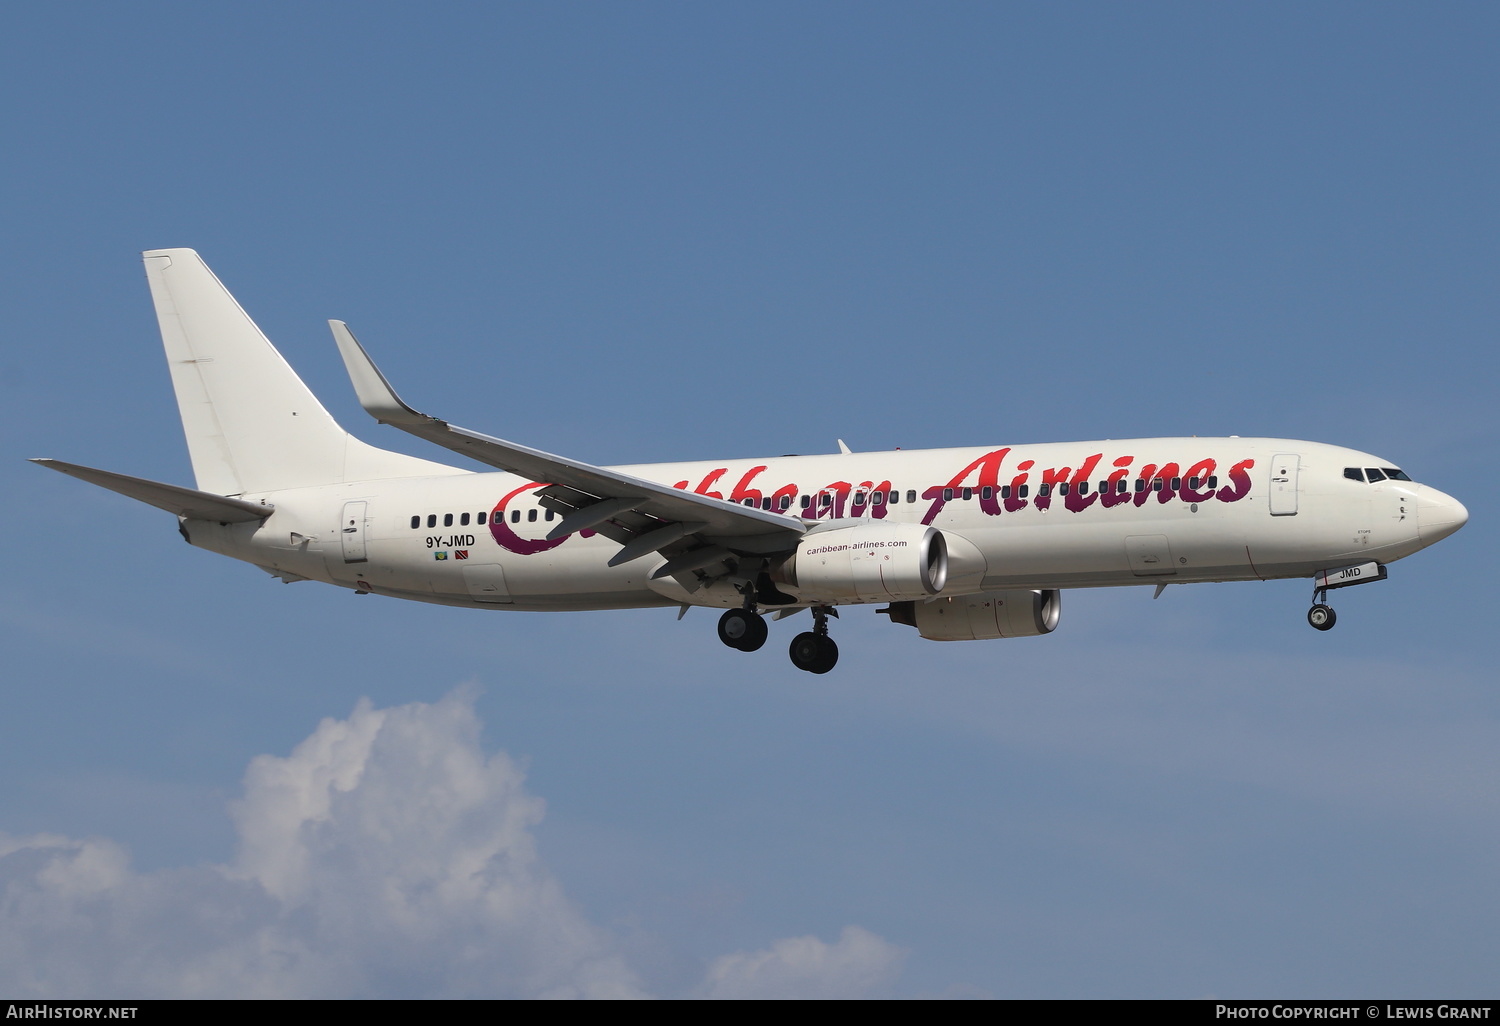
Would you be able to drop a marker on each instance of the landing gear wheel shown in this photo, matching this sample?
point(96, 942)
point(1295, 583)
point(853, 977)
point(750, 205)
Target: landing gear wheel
point(742, 629)
point(814, 653)
point(1322, 617)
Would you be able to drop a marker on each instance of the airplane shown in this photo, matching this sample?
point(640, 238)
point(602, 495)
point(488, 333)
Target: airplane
point(961, 543)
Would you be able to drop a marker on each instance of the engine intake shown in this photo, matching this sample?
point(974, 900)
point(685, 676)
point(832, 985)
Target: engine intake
point(867, 562)
point(989, 614)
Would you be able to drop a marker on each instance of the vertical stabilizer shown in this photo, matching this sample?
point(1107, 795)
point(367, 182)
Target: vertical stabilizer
point(251, 424)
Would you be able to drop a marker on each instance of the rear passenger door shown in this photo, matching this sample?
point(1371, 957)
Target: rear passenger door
point(352, 532)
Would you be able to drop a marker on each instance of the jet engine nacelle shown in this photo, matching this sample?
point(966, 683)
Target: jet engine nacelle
point(990, 614)
point(869, 561)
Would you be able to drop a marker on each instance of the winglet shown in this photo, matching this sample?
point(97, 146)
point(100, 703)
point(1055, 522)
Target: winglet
point(375, 393)
point(843, 448)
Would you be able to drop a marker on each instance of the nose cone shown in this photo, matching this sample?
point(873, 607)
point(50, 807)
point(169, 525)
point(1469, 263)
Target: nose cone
point(1438, 515)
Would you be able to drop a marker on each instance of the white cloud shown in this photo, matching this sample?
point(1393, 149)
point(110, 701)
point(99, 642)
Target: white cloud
point(859, 965)
point(388, 855)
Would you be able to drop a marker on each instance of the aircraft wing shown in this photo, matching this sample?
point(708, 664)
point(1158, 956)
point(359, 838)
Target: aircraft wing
point(693, 530)
point(185, 502)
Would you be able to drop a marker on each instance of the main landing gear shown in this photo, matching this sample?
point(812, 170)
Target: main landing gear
point(744, 629)
point(813, 651)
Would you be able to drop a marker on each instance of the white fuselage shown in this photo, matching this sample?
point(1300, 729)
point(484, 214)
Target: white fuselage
point(1016, 517)
point(961, 544)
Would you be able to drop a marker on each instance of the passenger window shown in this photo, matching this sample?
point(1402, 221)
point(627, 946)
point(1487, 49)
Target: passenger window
point(531, 516)
point(432, 520)
point(878, 498)
point(1193, 483)
point(968, 494)
point(1156, 484)
point(806, 501)
point(481, 518)
point(1176, 483)
point(1374, 474)
point(1213, 480)
point(1044, 491)
point(1025, 491)
point(893, 497)
point(447, 519)
point(416, 522)
point(859, 498)
point(1354, 474)
point(463, 520)
point(986, 492)
point(1140, 485)
point(911, 495)
point(1121, 487)
point(1005, 491)
point(947, 494)
point(1083, 487)
point(786, 503)
point(1062, 488)
point(515, 516)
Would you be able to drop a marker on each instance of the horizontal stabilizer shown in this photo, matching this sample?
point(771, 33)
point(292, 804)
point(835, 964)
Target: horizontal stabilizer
point(185, 502)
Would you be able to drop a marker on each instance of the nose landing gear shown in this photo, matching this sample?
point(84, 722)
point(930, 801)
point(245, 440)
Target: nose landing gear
point(1322, 616)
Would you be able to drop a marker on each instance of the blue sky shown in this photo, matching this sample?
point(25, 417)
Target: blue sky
point(658, 232)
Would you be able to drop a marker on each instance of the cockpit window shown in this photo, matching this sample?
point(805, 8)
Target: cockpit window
point(1374, 474)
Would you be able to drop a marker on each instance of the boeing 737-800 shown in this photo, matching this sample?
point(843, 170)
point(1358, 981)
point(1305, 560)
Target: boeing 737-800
point(962, 544)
